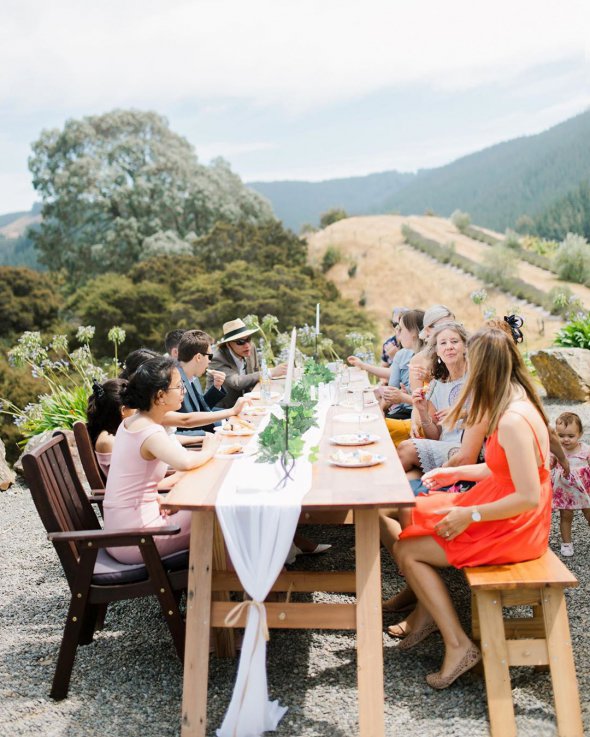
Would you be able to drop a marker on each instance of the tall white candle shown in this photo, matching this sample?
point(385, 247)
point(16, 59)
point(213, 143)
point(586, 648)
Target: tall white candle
point(317, 319)
point(290, 365)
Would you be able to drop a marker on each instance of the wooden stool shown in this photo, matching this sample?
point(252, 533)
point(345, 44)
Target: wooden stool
point(540, 640)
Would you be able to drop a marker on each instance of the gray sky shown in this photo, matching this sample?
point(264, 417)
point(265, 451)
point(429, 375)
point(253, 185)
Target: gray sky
point(295, 89)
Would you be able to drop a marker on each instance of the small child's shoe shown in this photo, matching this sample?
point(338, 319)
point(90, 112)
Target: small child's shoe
point(567, 550)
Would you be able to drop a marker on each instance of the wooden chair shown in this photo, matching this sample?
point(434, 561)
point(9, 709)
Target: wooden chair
point(540, 640)
point(94, 473)
point(95, 578)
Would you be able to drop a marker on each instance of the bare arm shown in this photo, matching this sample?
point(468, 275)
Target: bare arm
point(160, 446)
point(196, 419)
point(382, 373)
point(471, 443)
point(515, 436)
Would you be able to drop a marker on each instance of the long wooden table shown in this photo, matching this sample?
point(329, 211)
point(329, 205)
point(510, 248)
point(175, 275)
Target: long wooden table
point(337, 495)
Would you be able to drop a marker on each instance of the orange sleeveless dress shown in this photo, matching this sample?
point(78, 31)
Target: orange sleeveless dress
point(511, 540)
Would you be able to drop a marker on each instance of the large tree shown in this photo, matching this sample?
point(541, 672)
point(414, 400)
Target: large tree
point(117, 183)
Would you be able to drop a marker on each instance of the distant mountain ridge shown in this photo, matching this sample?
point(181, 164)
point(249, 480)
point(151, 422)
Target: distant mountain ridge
point(495, 185)
point(296, 203)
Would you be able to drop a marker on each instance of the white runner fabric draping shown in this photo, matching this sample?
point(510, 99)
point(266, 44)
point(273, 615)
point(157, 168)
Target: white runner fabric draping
point(258, 523)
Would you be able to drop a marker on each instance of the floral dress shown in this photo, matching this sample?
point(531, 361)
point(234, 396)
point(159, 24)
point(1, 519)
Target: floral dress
point(573, 491)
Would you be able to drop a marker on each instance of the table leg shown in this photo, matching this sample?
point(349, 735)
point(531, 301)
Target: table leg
point(198, 615)
point(369, 627)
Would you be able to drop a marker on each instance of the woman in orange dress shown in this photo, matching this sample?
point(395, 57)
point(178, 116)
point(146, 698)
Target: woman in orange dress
point(504, 518)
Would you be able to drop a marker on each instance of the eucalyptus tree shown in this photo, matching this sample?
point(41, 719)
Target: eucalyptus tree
point(113, 185)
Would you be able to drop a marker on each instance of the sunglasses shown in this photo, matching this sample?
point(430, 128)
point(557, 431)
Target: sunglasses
point(209, 356)
point(243, 341)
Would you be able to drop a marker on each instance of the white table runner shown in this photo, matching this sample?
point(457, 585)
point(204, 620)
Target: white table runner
point(258, 523)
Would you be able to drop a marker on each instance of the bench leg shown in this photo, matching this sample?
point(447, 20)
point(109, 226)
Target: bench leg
point(561, 664)
point(495, 664)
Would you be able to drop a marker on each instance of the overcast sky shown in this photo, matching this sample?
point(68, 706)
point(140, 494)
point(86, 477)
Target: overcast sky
point(295, 89)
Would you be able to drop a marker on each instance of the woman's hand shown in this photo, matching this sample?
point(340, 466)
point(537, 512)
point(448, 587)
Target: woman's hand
point(210, 443)
point(440, 415)
point(419, 374)
point(455, 521)
point(391, 395)
point(419, 400)
point(165, 512)
point(439, 478)
point(355, 361)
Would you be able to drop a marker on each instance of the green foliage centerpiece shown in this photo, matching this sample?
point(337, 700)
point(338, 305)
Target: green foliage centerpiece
point(282, 438)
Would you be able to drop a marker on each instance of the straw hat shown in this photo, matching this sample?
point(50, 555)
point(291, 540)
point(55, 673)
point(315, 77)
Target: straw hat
point(234, 330)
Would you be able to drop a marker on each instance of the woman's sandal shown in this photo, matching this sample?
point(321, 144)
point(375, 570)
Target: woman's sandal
point(396, 630)
point(414, 637)
point(471, 658)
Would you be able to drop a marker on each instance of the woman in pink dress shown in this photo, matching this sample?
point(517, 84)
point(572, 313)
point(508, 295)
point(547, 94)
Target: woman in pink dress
point(141, 454)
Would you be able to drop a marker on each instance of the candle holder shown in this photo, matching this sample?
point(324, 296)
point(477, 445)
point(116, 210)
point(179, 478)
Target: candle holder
point(315, 350)
point(287, 459)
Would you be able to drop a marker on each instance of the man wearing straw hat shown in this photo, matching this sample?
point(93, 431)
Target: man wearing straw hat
point(236, 357)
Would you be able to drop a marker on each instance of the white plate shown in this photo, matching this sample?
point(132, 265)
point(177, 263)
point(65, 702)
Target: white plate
point(350, 417)
point(356, 438)
point(255, 411)
point(244, 433)
point(256, 395)
point(246, 451)
point(352, 460)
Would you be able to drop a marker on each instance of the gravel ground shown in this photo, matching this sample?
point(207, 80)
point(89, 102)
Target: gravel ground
point(128, 681)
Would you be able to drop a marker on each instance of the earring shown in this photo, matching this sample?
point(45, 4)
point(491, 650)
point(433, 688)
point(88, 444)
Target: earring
point(439, 360)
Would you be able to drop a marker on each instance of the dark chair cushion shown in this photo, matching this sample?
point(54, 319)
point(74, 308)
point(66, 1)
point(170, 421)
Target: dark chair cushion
point(109, 572)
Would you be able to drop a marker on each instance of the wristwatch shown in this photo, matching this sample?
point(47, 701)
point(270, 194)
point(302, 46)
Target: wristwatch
point(475, 515)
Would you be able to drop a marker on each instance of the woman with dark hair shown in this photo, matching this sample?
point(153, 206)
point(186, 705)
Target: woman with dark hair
point(104, 414)
point(504, 518)
point(135, 359)
point(141, 455)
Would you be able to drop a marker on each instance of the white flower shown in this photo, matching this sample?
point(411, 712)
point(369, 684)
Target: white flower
point(85, 333)
point(116, 335)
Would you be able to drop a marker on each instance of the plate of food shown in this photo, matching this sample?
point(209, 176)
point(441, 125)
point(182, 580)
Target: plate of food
point(256, 395)
point(236, 426)
point(255, 411)
point(356, 438)
point(356, 459)
point(352, 417)
point(233, 450)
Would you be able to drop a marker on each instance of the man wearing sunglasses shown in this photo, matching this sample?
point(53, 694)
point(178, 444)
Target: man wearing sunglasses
point(194, 357)
point(236, 357)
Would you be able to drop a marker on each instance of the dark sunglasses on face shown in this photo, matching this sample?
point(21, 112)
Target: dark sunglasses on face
point(394, 324)
point(243, 341)
point(209, 356)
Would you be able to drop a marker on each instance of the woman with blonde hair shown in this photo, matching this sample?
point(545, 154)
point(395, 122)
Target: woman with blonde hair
point(504, 518)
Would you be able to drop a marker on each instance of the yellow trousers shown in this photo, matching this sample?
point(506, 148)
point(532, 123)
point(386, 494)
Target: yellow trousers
point(398, 430)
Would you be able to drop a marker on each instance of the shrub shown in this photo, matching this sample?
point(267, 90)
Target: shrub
point(332, 216)
point(352, 269)
point(363, 299)
point(512, 240)
point(498, 264)
point(565, 303)
point(575, 334)
point(572, 259)
point(460, 220)
point(332, 256)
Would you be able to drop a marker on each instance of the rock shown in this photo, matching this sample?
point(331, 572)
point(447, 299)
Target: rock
point(7, 475)
point(564, 372)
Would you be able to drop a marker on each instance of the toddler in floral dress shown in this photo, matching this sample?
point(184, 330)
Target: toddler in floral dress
point(571, 491)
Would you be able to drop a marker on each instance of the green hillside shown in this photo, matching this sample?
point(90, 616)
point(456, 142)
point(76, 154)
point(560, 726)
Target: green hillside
point(296, 203)
point(495, 186)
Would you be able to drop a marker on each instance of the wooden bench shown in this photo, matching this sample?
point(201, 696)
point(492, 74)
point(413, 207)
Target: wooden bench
point(542, 639)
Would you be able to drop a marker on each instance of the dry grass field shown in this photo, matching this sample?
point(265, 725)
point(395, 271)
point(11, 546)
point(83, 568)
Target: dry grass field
point(389, 273)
